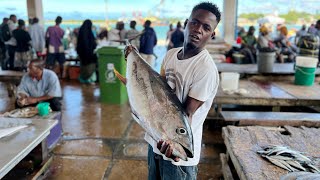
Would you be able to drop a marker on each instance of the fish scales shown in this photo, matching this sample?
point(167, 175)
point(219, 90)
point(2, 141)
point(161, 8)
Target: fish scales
point(156, 107)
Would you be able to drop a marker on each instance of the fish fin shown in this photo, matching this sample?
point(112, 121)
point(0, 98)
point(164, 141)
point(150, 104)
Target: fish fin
point(120, 77)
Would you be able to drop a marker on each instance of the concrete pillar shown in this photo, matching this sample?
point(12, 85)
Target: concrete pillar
point(229, 20)
point(35, 9)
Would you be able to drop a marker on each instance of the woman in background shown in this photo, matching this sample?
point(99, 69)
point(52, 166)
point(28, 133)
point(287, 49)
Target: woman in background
point(85, 48)
point(286, 48)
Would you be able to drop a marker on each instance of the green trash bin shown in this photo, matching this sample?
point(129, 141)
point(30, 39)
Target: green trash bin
point(112, 90)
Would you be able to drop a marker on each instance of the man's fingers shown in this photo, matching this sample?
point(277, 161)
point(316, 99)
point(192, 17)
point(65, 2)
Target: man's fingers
point(164, 147)
point(159, 144)
point(176, 159)
point(168, 152)
point(128, 50)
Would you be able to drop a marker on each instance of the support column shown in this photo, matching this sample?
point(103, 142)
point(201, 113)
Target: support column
point(35, 9)
point(230, 20)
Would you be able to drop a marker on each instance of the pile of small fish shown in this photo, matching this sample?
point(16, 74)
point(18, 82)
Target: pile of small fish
point(288, 159)
point(26, 112)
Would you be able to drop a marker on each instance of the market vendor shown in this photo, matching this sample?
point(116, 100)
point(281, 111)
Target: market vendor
point(39, 85)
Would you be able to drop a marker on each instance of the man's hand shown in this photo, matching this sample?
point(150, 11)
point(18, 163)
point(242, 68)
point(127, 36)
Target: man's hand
point(31, 100)
point(166, 148)
point(128, 50)
point(22, 99)
point(21, 102)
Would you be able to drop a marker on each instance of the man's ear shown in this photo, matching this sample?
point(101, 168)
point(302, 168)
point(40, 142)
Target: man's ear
point(185, 23)
point(213, 35)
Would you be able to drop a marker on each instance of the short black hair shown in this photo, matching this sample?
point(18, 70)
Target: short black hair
point(37, 63)
point(318, 22)
point(58, 20)
point(12, 16)
point(35, 20)
point(21, 22)
point(252, 28)
point(209, 7)
point(133, 24)
point(147, 23)
point(103, 34)
point(179, 24)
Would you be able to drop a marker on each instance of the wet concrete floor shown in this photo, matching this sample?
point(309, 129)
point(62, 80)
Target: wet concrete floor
point(102, 141)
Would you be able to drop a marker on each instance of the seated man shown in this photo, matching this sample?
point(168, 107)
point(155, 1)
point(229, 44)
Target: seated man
point(39, 85)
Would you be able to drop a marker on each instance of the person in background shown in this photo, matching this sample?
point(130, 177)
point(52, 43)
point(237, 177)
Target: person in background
point(148, 41)
point(284, 45)
point(249, 42)
point(37, 36)
point(302, 32)
point(114, 35)
point(317, 33)
point(241, 33)
point(11, 43)
point(23, 47)
point(94, 32)
point(177, 37)
point(39, 85)
point(85, 49)
point(168, 39)
point(3, 49)
point(122, 31)
point(54, 37)
point(264, 41)
point(133, 34)
point(103, 39)
point(312, 29)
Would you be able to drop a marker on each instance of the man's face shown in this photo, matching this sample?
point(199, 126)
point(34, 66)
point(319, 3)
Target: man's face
point(33, 71)
point(200, 28)
point(14, 19)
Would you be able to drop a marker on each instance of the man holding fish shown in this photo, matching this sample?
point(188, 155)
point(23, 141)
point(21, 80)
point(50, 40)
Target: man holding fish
point(172, 106)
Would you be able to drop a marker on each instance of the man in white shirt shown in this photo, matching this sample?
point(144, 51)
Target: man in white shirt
point(192, 74)
point(37, 34)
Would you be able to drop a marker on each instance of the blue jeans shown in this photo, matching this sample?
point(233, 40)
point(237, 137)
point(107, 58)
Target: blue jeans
point(160, 169)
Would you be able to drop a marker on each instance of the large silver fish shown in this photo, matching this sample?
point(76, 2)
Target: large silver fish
point(155, 106)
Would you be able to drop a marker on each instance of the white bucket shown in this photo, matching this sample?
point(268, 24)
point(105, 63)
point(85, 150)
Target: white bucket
point(229, 80)
point(309, 62)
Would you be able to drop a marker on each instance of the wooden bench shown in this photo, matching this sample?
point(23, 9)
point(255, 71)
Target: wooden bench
point(244, 118)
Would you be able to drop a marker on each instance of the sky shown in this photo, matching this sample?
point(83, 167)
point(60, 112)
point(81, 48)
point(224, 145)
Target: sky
point(115, 9)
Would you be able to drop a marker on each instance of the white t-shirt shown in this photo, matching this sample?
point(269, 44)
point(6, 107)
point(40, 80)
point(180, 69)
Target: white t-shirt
point(198, 78)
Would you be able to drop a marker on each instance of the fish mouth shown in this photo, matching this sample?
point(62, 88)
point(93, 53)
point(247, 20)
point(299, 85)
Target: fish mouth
point(188, 152)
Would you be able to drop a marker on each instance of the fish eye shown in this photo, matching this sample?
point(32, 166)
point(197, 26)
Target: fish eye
point(181, 131)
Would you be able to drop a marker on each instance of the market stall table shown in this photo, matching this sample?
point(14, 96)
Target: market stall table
point(252, 69)
point(15, 147)
point(271, 93)
point(242, 144)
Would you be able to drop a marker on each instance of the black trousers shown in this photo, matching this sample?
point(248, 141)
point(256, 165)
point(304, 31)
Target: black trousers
point(11, 51)
point(55, 104)
point(3, 56)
